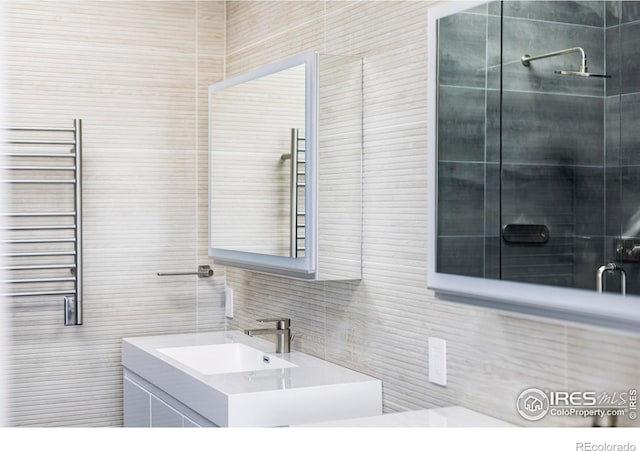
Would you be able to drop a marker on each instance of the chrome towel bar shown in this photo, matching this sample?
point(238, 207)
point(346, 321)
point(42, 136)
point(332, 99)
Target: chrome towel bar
point(42, 227)
point(39, 155)
point(36, 142)
point(40, 214)
point(39, 168)
point(203, 271)
point(41, 182)
point(39, 293)
point(45, 280)
point(39, 254)
point(38, 267)
point(40, 241)
point(35, 129)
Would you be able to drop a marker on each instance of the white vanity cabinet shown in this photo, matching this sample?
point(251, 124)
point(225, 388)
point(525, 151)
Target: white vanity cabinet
point(147, 406)
point(137, 405)
point(285, 169)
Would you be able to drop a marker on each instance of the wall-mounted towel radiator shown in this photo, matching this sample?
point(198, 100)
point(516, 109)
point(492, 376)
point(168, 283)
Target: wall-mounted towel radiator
point(43, 243)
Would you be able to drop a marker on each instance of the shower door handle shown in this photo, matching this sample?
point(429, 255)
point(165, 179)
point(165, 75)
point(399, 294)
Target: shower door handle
point(611, 267)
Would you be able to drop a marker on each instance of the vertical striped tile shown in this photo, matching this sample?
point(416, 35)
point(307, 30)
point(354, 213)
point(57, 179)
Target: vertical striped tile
point(380, 325)
point(134, 71)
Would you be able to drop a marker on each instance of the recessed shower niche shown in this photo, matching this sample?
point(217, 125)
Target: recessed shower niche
point(536, 154)
point(285, 154)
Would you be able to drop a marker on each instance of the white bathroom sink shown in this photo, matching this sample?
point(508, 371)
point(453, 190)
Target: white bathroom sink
point(225, 358)
point(221, 378)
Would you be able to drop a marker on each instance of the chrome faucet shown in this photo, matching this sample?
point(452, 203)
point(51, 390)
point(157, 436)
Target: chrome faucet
point(611, 267)
point(282, 332)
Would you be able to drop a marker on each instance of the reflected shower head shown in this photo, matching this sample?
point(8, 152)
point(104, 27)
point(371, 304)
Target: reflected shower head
point(581, 73)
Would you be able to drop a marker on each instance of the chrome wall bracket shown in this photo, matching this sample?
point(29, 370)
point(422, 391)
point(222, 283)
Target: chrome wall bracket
point(71, 313)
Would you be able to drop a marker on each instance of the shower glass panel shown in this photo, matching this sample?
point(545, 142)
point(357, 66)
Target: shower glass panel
point(538, 143)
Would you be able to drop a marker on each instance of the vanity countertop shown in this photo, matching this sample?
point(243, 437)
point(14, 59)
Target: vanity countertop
point(275, 397)
point(454, 416)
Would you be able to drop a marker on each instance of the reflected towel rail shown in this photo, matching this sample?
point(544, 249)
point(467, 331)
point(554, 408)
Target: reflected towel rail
point(28, 220)
point(294, 184)
point(297, 181)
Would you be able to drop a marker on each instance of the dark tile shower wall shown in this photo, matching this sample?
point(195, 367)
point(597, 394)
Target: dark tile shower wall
point(552, 141)
point(461, 142)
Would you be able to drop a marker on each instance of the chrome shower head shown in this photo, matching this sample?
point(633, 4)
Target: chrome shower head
point(581, 73)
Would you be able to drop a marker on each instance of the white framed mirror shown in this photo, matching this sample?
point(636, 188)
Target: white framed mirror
point(532, 198)
point(285, 168)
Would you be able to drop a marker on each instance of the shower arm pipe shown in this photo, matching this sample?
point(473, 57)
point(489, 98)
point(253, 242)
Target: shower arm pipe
point(526, 59)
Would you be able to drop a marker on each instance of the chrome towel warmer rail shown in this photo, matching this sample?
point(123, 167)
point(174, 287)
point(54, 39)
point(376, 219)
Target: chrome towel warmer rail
point(45, 230)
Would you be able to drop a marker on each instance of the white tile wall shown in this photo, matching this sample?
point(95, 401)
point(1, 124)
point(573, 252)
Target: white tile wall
point(380, 325)
point(136, 72)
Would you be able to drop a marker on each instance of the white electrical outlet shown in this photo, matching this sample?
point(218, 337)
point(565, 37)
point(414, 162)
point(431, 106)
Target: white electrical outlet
point(438, 361)
point(228, 302)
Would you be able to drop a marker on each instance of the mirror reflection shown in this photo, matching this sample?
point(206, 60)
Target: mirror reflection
point(258, 165)
point(538, 144)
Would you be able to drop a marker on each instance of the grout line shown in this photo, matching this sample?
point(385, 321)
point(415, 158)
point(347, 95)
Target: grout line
point(527, 19)
point(524, 91)
point(622, 24)
point(268, 38)
point(518, 163)
point(324, 27)
point(486, 152)
point(77, 45)
point(224, 40)
point(421, 123)
point(197, 159)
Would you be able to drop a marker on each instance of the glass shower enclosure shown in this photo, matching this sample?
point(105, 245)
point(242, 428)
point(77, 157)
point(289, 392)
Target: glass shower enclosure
point(538, 143)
